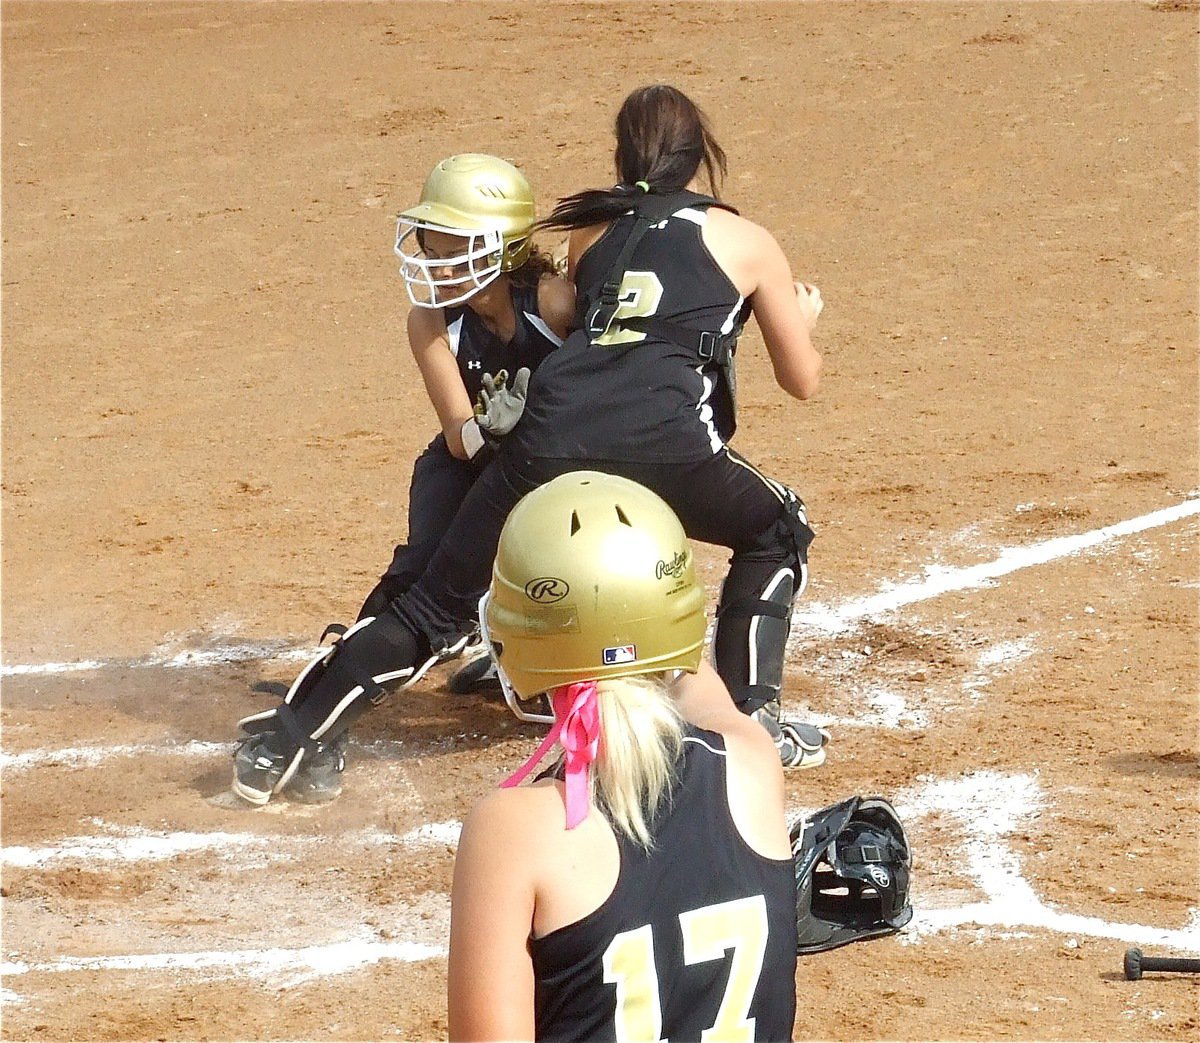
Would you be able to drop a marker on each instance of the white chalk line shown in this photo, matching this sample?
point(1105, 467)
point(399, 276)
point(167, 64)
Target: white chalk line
point(1011, 902)
point(940, 580)
point(134, 844)
point(91, 756)
point(296, 965)
point(989, 806)
point(187, 659)
point(880, 705)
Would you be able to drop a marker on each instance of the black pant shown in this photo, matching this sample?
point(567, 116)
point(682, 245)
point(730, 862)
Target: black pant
point(721, 500)
point(440, 483)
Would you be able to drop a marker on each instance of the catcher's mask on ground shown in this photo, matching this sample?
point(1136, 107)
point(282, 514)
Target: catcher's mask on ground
point(852, 874)
point(481, 213)
point(593, 578)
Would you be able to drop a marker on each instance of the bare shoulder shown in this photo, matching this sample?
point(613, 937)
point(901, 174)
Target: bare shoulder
point(556, 303)
point(719, 217)
point(517, 817)
point(425, 325)
point(726, 223)
point(748, 741)
point(743, 249)
point(580, 241)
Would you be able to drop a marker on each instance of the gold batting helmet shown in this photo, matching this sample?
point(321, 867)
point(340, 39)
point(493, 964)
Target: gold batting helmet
point(483, 202)
point(593, 578)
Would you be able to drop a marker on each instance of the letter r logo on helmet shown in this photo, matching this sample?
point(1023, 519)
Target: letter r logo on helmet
point(547, 590)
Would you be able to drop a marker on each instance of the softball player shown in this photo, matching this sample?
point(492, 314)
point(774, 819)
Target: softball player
point(486, 303)
point(662, 905)
point(644, 388)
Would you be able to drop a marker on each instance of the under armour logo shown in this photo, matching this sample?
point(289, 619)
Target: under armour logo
point(474, 364)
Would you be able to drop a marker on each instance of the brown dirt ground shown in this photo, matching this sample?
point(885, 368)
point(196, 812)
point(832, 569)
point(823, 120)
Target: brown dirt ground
point(210, 416)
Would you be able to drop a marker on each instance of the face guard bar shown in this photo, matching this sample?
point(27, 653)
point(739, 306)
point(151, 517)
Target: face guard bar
point(515, 702)
point(478, 265)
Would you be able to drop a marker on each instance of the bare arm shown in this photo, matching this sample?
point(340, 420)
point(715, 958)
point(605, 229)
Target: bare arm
point(490, 980)
point(556, 304)
point(785, 310)
point(431, 349)
point(786, 313)
point(755, 777)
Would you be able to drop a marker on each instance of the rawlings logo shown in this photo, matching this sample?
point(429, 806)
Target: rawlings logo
point(879, 875)
point(671, 568)
point(547, 590)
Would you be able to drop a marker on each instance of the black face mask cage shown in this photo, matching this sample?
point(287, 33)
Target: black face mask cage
point(852, 874)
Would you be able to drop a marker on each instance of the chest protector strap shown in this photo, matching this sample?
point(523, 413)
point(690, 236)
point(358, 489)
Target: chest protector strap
point(648, 210)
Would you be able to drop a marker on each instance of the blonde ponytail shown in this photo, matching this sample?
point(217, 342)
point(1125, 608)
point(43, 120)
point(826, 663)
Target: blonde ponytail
point(640, 744)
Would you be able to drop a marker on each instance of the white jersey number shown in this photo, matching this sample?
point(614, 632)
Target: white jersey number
point(708, 934)
point(638, 297)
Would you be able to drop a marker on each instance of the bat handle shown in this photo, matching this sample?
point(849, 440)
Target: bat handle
point(1136, 964)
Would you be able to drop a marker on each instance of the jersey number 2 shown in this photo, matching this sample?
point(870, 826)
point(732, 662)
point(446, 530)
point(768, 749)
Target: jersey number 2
point(708, 934)
point(638, 297)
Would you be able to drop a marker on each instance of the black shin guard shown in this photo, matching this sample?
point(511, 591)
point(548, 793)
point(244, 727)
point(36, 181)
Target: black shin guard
point(375, 656)
point(754, 616)
point(751, 634)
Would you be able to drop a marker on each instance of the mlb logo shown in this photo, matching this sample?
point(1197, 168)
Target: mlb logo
point(620, 654)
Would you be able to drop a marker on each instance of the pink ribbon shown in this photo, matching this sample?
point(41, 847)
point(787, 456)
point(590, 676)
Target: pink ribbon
point(577, 727)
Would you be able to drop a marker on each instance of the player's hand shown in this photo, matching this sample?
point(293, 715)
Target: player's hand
point(811, 301)
point(500, 406)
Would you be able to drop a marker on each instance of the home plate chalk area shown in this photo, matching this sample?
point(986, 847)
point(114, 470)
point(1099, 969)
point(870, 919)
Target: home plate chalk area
point(1044, 817)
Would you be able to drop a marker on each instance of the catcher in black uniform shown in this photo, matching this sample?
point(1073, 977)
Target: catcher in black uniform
point(644, 388)
point(486, 304)
point(662, 905)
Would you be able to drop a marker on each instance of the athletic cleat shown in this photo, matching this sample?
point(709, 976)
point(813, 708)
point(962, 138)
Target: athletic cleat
point(807, 743)
point(479, 675)
point(474, 644)
point(799, 745)
point(259, 772)
point(318, 780)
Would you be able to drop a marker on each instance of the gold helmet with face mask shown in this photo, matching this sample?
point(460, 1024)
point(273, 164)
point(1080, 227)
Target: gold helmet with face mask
point(593, 578)
point(482, 211)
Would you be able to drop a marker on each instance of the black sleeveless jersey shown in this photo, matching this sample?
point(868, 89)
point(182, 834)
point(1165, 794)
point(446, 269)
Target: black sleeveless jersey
point(478, 350)
point(630, 395)
point(699, 933)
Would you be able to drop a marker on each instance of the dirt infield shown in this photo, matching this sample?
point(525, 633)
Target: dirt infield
point(209, 419)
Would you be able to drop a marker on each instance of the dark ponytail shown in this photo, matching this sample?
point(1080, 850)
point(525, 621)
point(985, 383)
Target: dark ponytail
point(663, 138)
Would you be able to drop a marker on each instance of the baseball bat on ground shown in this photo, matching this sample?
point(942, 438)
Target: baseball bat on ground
point(1136, 964)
